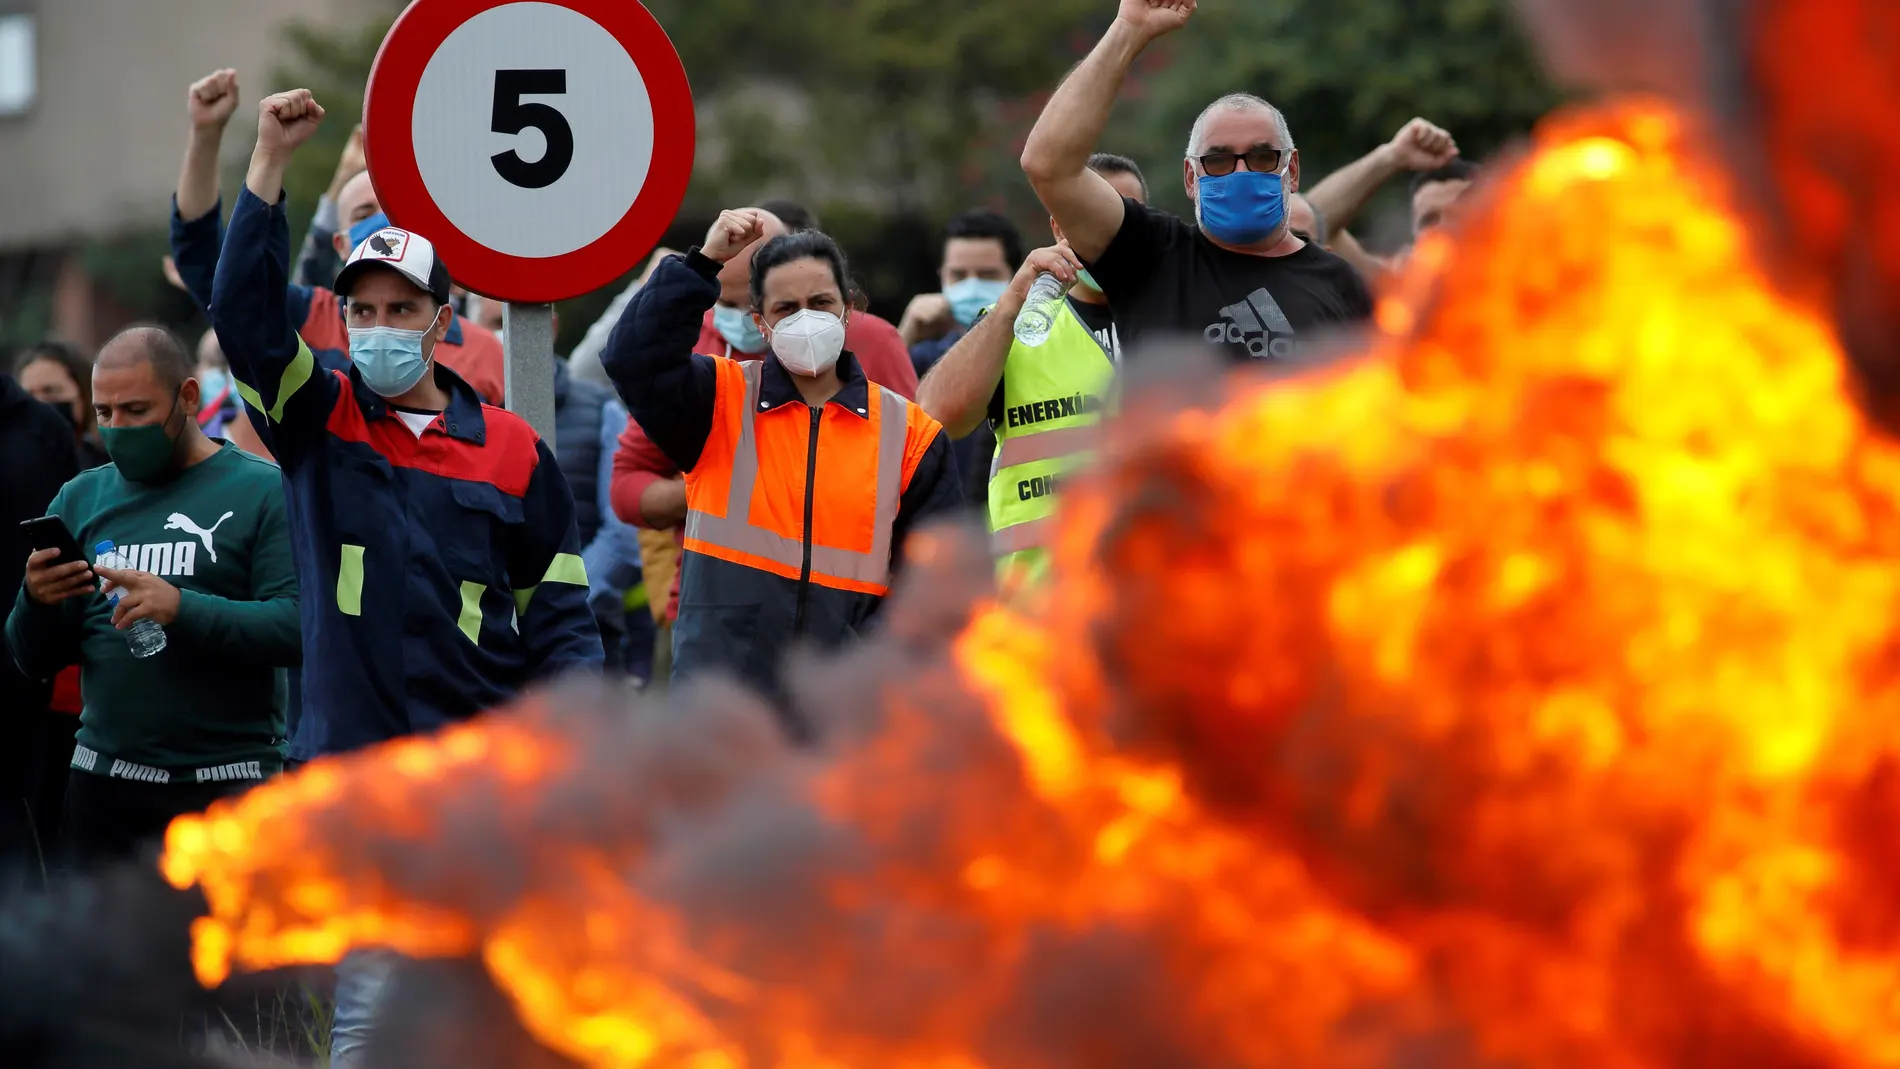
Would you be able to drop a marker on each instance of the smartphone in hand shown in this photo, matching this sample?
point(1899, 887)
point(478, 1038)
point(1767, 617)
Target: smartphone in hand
point(49, 532)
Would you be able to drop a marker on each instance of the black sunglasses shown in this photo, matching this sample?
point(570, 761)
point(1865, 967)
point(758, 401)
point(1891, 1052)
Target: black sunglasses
point(1264, 159)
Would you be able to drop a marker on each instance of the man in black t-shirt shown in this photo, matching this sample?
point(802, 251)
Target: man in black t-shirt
point(1240, 281)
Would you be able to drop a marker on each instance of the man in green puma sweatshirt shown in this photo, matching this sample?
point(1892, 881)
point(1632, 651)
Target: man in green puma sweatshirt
point(203, 550)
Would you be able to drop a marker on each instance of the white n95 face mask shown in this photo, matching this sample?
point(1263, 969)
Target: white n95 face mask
point(808, 341)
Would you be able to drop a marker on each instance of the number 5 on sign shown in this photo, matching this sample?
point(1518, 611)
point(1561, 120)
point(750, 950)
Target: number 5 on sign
point(513, 116)
point(543, 145)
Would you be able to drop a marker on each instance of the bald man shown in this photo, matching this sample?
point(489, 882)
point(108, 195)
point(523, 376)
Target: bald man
point(1238, 280)
point(189, 533)
point(472, 351)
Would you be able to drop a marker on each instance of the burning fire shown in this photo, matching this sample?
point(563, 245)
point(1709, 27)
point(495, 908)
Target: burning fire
point(1519, 693)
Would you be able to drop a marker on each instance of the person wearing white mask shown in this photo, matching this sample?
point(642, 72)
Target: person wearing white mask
point(803, 478)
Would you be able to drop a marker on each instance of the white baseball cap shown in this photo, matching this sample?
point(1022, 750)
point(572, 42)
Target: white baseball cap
point(393, 247)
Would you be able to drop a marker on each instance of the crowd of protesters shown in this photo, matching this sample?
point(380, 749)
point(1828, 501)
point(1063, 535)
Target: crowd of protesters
point(346, 538)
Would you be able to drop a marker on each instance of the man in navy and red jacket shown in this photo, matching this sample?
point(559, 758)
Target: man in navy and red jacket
point(435, 536)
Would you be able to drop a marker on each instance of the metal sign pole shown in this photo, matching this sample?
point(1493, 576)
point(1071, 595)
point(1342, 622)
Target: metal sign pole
point(528, 364)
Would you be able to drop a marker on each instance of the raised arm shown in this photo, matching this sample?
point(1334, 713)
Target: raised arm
point(209, 103)
point(668, 388)
point(1418, 146)
point(1056, 157)
point(275, 372)
point(195, 233)
point(958, 389)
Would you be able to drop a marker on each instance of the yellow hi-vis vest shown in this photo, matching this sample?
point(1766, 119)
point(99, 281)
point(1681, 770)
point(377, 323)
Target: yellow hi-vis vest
point(1052, 398)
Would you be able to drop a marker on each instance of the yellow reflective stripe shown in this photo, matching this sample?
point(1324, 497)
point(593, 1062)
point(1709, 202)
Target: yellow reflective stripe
point(294, 378)
point(566, 568)
point(1052, 444)
point(470, 621)
point(1030, 534)
point(349, 582)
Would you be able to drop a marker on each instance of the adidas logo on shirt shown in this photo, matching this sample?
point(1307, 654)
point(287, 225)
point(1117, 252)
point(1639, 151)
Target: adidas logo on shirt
point(1259, 323)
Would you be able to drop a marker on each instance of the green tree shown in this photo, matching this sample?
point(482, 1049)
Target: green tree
point(894, 102)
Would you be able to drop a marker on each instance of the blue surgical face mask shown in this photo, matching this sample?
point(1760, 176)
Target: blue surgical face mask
point(212, 384)
point(361, 231)
point(1241, 208)
point(969, 297)
point(736, 326)
point(389, 358)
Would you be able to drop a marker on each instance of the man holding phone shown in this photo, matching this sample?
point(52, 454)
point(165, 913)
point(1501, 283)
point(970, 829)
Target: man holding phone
point(38, 455)
point(202, 548)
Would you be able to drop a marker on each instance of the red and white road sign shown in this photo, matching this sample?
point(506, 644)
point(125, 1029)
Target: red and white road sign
point(544, 146)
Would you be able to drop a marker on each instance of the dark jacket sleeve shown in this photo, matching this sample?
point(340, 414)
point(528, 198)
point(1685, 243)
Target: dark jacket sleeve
point(276, 373)
point(265, 628)
point(935, 492)
point(37, 443)
point(195, 244)
point(549, 578)
point(668, 388)
point(42, 639)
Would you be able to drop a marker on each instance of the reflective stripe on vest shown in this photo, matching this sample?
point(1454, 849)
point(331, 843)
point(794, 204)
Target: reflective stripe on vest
point(1045, 445)
point(733, 537)
point(1017, 537)
point(1038, 380)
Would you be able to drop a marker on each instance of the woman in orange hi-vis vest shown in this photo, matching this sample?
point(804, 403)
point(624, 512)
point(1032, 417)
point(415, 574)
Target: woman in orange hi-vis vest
point(803, 478)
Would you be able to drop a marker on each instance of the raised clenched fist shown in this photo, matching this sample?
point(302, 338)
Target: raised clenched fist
point(212, 99)
point(732, 231)
point(1155, 17)
point(1421, 146)
point(286, 120)
point(926, 316)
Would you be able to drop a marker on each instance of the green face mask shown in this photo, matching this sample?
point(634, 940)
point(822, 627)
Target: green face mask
point(143, 454)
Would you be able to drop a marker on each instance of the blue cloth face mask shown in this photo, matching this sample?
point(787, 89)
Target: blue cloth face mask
point(389, 358)
point(736, 326)
point(361, 231)
point(969, 297)
point(1241, 208)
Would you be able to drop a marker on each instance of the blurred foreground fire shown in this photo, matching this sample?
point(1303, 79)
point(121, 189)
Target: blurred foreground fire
point(1521, 693)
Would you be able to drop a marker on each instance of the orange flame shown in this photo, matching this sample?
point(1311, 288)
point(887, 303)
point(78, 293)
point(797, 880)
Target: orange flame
point(1517, 694)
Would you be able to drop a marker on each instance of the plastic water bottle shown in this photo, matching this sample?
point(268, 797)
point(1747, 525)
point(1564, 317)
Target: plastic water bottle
point(145, 637)
point(1038, 316)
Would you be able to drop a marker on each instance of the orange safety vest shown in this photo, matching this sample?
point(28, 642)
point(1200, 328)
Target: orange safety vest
point(746, 497)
